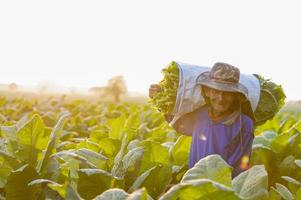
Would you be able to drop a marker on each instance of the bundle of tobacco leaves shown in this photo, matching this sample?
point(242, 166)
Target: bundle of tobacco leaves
point(166, 98)
point(271, 100)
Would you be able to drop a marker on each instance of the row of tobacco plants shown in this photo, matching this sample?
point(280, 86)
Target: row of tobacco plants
point(52, 149)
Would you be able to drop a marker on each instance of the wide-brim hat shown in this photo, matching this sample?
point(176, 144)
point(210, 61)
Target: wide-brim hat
point(224, 77)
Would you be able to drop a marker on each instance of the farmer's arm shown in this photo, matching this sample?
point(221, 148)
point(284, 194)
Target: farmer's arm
point(241, 153)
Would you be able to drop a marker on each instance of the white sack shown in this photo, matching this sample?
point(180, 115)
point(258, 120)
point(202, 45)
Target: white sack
point(189, 96)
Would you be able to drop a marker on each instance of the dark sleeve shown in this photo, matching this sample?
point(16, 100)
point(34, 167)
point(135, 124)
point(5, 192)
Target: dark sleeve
point(185, 124)
point(239, 157)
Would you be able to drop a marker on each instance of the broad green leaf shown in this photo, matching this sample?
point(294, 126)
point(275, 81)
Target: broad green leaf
point(154, 154)
point(262, 155)
point(11, 160)
point(42, 181)
point(212, 167)
point(298, 163)
point(180, 151)
point(133, 144)
point(98, 160)
point(140, 194)
point(252, 184)
point(264, 138)
point(279, 143)
point(287, 166)
point(109, 147)
point(30, 140)
point(298, 194)
point(68, 156)
point(284, 192)
point(201, 189)
point(4, 173)
point(291, 180)
point(55, 134)
point(93, 182)
point(57, 191)
point(17, 184)
point(10, 132)
point(66, 145)
point(117, 170)
point(131, 163)
point(131, 158)
point(261, 140)
point(155, 180)
point(274, 194)
point(116, 126)
point(72, 194)
point(293, 184)
point(115, 193)
point(85, 143)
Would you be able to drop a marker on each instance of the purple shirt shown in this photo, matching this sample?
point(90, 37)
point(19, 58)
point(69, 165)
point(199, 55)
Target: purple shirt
point(210, 137)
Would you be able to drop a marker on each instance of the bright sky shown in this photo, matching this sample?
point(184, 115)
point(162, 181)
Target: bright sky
point(84, 43)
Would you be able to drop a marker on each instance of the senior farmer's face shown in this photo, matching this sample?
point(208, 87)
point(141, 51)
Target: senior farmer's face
point(220, 101)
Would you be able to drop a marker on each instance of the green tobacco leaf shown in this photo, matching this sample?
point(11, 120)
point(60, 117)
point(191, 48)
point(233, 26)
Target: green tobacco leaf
point(109, 147)
point(131, 158)
point(212, 167)
point(279, 143)
point(85, 143)
point(116, 126)
point(180, 151)
point(284, 192)
point(133, 144)
point(298, 163)
point(287, 166)
point(265, 138)
point(252, 184)
point(291, 180)
point(96, 159)
point(30, 140)
point(17, 184)
point(42, 181)
point(55, 134)
point(131, 164)
point(11, 160)
point(93, 182)
point(4, 173)
point(72, 194)
point(262, 155)
point(61, 191)
point(298, 194)
point(154, 154)
point(274, 194)
point(199, 189)
point(140, 194)
point(115, 193)
point(117, 170)
point(155, 180)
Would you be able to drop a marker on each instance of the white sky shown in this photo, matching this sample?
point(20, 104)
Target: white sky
point(84, 43)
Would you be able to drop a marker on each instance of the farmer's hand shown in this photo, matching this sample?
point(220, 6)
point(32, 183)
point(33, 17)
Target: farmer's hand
point(153, 90)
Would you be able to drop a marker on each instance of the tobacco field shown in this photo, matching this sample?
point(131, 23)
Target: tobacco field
point(53, 149)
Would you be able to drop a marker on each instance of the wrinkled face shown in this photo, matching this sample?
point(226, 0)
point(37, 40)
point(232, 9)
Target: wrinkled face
point(220, 101)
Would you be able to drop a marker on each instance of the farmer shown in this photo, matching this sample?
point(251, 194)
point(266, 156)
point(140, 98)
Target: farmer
point(219, 127)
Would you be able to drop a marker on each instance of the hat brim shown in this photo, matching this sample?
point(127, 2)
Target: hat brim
point(204, 79)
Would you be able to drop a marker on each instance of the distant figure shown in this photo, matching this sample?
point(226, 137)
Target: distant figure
point(219, 127)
